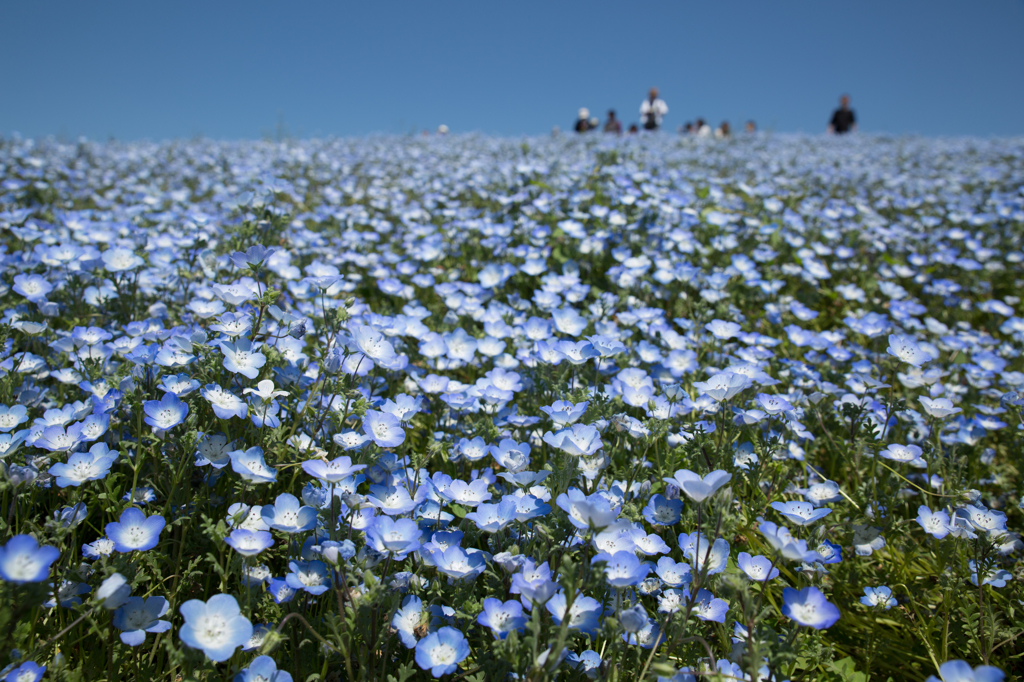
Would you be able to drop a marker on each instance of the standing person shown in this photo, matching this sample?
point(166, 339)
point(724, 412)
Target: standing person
point(612, 125)
point(701, 128)
point(583, 120)
point(843, 120)
point(652, 110)
point(751, 127)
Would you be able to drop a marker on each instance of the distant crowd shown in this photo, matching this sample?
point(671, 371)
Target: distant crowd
point(653, 110)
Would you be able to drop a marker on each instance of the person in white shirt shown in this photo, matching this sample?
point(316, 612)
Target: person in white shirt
point(652, 110)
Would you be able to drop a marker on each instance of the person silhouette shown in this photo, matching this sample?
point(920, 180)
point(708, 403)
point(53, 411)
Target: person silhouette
point(612, 125)
point(843, 119)
point(652, 110)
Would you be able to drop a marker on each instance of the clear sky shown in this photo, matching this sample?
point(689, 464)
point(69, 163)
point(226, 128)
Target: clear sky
point(229, 69)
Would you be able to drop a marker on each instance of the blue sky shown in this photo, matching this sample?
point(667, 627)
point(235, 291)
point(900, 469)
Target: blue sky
point(229, 69)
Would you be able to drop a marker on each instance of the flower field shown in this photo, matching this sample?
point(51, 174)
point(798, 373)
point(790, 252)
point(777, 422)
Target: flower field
point(483, 409)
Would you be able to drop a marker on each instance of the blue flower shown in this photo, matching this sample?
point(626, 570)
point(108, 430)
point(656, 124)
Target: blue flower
point(801, 513)
point(492, 518)
point(697, 488)
point(28, 671)
point(241, 357)
point(263, 669)
point(250, 465)
point(878, 597)
point(84, 466)
point(961, 671)
point(249, 542)
point(441, 652)
point(22, 560)
point(584, 615)
point(138, 616)
point(215, 626)
point(225, 404)
point(331, 472)
point(502, 617)
point(757, 568)
point(135, 532)
point(408, 619)
point(708, 607)
point(253, 258)
point(288, 516)
point(622, 569)
point(165, 413)
point(312, 576)
point(662, 512)
point(384, 428)
point(808, 607)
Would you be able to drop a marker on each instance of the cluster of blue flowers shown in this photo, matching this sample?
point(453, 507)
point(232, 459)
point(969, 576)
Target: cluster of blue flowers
point(615, 409)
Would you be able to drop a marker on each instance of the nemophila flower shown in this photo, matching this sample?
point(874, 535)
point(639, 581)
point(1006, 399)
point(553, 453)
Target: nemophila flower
point(801, 513)
point(757, 568)
point(584, 614)
point(672, 573)
point(385, 429)
point(33, 287)
point(134, 531)
point(936, 524)
point(84, 466)
point(564, 413)
point(392, 500)
point(783, 542)
point(215, 626)
point(113, 592)
point(138, 616)
point(708, 607)
point(224, 403)
point(905, 349)
point(993, 575)
point(581, 440)
point(253, 258)
point(311, 576)
point(878, 597)
point(250, 465)
point(23, 560)
point(241, 357)
point(985, 520)
point(809, 607)
point(373, 344)
point(165, 413)
point(704, 555)
point(29, 671)
point(441, 652)
point(262, 669)
point(905, 454)
point(59, 439)
point(940, 408)
point(458, 564)
point(822, 493)
point(350, 440)
point(98, 548)
point(622, 569)
point(773, 404)
point(67, 594)
point(249, 542)
point(829, 552)
point(467, 494)
point(408, 620)
point(511, 455)
point(723, 330)
point(11, 417)
point(397, 536)
point(961, 671)
point(492, 518)
point(502, 617)
point(281, 591)
point(867, 539)
point(178, 384)
point(332, 471)
point(588, 662)
point(533, 583)
point(288, 515)
point(119, 259)
point(696, 488)
point(661, 511)
point(587, 512)
point(723, 386)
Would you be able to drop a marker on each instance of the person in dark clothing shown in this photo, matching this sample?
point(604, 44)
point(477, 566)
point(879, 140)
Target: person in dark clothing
point(843, 120)
point(633, 129)
point(612, 125)
point(583, 120)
